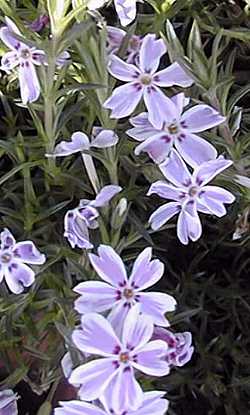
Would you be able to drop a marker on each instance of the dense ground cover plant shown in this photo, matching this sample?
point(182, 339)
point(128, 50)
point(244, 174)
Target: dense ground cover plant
point(111, 301)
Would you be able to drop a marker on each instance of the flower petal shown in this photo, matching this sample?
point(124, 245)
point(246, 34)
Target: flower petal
point(93, 377)
point(207, 171)
point(201, 118)
point(7, 239)
point(157, 147)
point(151, 51)
point(7, 36)
point(173, 75)
point(138, 328)
point(175, 170)
point(150, 359)
point(76, 230)
point(117, 316)
point(29, 83)
point(219, 193)
point(9, 61)
point(156, 305)
point(78, 408)
point(122, 70)
point(160, 108)
point(124, 392)
point(126, 11)
point(105, 195)
point(18, 276)
point(143, 128)
point(165, 190)
point(195, 150)
point(96, 296)
point(27, 252)
point(109, 265)
point(180, 102)
point(87, 340)
point(188, 227)
point(124, 100)
point(153, 404)
point(215, 207)
point(146, 272)
point(163, 214)
point(105, 138)
point(79, 142)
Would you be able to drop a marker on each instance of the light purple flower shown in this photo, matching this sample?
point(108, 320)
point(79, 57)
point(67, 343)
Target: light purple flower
point(119, 293)
point(23, 58)
point(63, 59)
point(115, 39)
point(126, 10)
point(143, 81)
point(13, 259)
point(180, 132)
point(180, 349)
point(191, 194)
point(80, 142)
point(153, 404)
point(113, 374)
point(78, 221)
point(8, 402)
point(38, 24)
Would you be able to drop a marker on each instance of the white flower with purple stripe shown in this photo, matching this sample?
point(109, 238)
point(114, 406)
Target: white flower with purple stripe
point(191, 194)
point(119, 293)
point(78, 221)
point(23, 58)
point(13, 259)
point(8, 402)
point(180, 132)
point(153, 404)
point(143, 81)
point(114, 373)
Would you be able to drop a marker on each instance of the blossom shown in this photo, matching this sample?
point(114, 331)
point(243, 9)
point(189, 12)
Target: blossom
point(191, 194)
point(24, 58)
point(39, 23)
point(180, 349)
point(8, 402)
point(119, 293)
point(13, 259)
point(113, 373)
point(179, 132)
point(80, 142)
point(143, 81)
point(153, 403)
point(115, 39)
point(77, 221)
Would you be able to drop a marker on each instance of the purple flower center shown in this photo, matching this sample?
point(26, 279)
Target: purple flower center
point(128, 293)
point(145, 79)
point(5, 258)
point(25, 53)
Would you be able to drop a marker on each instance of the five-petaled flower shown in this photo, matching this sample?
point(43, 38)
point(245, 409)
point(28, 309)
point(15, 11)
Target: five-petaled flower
point(180, 349)
point(153, 403)
point(78, 221)
point(113, 374)
point(119, 293)
point(191, 195)
point(143, 81)
point(24, 58)
point(13, 259)
point(180, 131)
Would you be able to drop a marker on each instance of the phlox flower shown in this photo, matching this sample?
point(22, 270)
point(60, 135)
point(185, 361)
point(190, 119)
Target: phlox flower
point(179, 132)
point(180, 349)
point(13, 259)
point(78, 221)
point(143, 81)
point(119, 293)
point(23, 58)
point(80, 142)
point(113, 373)
point(8, 402)
point(115, 39)
point(191, 194)
point(153, 403)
